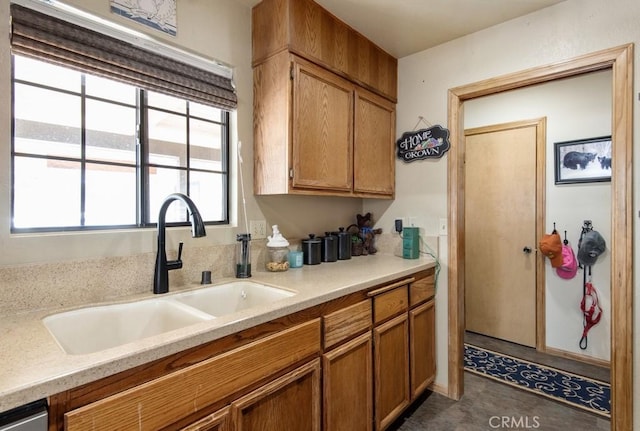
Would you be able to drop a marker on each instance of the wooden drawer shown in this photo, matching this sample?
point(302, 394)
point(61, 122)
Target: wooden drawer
point(167, 399)
point(422, 290)
point(346, 323)
point(391, 301)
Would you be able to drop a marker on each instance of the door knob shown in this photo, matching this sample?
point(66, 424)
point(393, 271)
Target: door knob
point(526, 249)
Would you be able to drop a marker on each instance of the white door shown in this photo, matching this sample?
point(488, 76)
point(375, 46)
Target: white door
point(500, 231)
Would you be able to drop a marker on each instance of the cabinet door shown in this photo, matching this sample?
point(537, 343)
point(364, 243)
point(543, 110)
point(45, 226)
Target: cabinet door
point(422, 345)
point(218, 421)
point(374, 141)
point(291, 402)
point(322, 129)
point(391, 370)
point(348, 388)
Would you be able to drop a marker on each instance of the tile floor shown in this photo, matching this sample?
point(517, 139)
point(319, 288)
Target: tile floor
point(488, 405)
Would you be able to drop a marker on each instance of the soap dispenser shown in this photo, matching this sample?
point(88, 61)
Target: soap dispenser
point(243, 255)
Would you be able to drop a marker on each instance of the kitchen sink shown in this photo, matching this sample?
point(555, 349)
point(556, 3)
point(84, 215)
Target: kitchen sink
point(231, 297)
point(92, 329)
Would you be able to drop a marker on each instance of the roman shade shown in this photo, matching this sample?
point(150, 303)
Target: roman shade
point(46, 37)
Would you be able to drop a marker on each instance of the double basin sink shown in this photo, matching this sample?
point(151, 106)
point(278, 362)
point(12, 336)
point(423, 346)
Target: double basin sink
point(92, 329)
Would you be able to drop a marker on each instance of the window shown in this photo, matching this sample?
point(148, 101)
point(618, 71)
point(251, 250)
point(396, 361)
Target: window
point(89, 152)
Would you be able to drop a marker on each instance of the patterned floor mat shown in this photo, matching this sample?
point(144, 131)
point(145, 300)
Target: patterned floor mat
point(578, 391)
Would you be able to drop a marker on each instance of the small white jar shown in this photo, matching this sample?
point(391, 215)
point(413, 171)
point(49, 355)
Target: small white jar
point(277, 252)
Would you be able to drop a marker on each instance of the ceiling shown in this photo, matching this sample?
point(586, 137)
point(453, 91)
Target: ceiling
point(404, 27)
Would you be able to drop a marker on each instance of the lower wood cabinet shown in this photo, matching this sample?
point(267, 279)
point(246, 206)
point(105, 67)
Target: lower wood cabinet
point(171, 398)
point(422, 347)
point(291, 402)
point(218, 421)
point(391, 345)
point(348, 386)
point(403, 343)
point(352, 364)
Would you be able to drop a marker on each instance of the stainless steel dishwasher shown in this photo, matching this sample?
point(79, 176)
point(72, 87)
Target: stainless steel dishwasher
point(30, 417)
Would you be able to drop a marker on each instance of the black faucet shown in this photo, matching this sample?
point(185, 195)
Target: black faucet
point(161, 275)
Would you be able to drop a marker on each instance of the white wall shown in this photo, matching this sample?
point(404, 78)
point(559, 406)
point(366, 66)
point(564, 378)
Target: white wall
point(575, 108)
point(557, 33)
point(218, 29)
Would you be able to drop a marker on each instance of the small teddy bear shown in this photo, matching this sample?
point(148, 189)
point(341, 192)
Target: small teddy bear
point(367, 233)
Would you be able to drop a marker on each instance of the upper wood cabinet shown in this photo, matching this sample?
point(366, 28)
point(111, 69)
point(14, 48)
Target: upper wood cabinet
point(323, 105)
point(305, 28)
point(373, 149)
point(317, 133)
point(322, 129)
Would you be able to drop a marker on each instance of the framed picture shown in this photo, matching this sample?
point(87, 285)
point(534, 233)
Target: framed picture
point(583, 160)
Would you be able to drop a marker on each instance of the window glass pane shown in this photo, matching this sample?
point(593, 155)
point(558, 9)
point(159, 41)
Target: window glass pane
point(110, 195)
point(46, 193)
point(206, 192)
point(111, 132)
point(163, 182)
point(168, 136)
point(160, 159)
point(54, 113)
point(111, 90)
point(44, 73)
point(163, 101)
point(46, 122)
point(204, 111)
point(205, 139)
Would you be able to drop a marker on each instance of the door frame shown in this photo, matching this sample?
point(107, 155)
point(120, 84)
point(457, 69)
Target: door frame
point(620, 60)
point(540, 208)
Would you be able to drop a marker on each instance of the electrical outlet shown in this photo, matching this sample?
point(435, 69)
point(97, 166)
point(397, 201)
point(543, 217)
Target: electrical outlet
point(442, 227)
point(398, 225)
point(258, 229)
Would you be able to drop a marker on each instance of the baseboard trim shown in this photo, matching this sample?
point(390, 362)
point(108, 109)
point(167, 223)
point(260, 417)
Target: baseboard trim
point(576, 357)
point(439, 389)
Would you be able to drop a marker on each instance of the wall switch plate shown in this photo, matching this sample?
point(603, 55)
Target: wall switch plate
point(442, 227)
point(258, 229)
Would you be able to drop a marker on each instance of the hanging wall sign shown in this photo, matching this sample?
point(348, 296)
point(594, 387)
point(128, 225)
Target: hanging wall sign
point(422, 144)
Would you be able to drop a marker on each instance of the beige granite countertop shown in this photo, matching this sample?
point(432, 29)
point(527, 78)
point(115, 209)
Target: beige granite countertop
point(33, 366)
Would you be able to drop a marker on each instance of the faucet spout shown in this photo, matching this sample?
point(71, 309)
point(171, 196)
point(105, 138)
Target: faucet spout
point(162, 267)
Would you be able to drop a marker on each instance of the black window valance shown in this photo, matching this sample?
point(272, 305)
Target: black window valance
point(42, 36)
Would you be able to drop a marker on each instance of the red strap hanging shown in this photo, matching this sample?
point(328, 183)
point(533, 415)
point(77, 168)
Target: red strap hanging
point(591, 310)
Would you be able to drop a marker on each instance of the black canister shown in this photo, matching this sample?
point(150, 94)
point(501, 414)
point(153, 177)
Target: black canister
point(344, 244)
point(329, 247)
point(311, 250)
